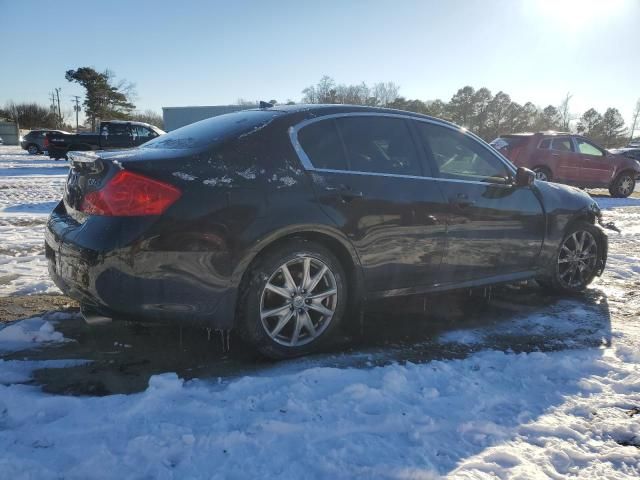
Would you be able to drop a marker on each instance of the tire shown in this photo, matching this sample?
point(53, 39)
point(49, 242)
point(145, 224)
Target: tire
point(576, 261)
point(542, 173)
point(623, 185)
point(33, 149)
point(271, 309)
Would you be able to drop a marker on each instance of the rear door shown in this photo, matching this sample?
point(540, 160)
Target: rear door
point(494, 227)
point(116, 135)
point(564, 161)
point(368, 176)
point(595, 168)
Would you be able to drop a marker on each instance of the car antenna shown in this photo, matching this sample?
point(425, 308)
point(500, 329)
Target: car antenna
point(264, 104)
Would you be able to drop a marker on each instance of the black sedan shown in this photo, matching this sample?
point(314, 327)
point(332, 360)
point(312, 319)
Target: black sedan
point(281, 222)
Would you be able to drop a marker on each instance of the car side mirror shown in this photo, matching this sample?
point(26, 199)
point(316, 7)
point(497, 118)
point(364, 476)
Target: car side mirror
point(524, 177)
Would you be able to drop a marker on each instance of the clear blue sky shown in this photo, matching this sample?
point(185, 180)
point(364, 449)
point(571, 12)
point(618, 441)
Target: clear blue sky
point(214, 52)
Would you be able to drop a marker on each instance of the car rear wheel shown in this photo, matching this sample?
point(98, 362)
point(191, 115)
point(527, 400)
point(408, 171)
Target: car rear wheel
point(576, 262)
point(623, 185)
point(542, 173)
point(294, 298)
point(33, 149)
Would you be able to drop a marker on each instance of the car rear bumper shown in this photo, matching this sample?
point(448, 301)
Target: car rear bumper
point(132, 283)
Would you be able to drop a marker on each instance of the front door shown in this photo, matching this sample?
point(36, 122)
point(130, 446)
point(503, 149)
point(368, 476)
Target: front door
point(368, 177)
point(494, 227)
point(596, 168)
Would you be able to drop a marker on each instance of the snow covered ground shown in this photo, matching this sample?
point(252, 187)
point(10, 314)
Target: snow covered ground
point(568, 407)
point(30, 187)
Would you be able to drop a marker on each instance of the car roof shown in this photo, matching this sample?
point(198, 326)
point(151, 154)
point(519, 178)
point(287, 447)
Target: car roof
point(546, 133)
point(127, 122)
point(319, 110)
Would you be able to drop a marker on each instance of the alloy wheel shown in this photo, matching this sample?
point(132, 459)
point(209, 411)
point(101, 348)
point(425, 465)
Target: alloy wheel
point(541, 175)
point(298, 301)
point(577, 259)
point(625, 186)
point(32, 149)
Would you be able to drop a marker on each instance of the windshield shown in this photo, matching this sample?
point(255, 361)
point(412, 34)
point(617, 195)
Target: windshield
point(206, 132)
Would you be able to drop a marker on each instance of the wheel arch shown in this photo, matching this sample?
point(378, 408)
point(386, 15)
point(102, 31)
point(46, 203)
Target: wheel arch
point(334, 241)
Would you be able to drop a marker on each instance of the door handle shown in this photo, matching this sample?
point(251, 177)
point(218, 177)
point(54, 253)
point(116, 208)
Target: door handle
point(345, 192)
point(462, 200)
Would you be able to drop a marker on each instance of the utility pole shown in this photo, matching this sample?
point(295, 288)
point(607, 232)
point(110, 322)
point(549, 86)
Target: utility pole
point(52, 106)
point(59, 111)
point(76, 107)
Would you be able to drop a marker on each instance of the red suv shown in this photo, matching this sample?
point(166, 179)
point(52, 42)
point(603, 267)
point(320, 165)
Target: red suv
point(571, 159)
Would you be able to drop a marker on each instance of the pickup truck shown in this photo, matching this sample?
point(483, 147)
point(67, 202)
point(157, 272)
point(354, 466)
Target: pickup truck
point(112, 135)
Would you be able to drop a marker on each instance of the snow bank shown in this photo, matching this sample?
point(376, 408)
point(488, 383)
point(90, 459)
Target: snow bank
point(25, 333)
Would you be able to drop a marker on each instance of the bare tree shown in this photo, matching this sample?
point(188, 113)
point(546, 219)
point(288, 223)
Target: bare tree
point(564, 112)
point(634, 120)
point(31, 115)
point(385, 93)
point(148, 116)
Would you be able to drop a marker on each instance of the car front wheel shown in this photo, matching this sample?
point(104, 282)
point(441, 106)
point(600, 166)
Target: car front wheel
point(542, 173)
point(293, 299)
point(33, 149)
point(623, 185)
point(577, 260)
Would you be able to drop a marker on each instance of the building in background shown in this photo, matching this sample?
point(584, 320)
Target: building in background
point(9, 132)
point(176, 117)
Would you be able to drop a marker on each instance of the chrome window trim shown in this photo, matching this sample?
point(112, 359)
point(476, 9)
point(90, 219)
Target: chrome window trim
point(308, 165)
point(411, 177)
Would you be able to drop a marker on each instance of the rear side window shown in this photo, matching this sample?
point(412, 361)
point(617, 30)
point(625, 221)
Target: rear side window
point(379, 145)
point(205, 132)
point(457, 156)
point(321, 143)
point(116, 129)
point(545, 144)
point(562, 144)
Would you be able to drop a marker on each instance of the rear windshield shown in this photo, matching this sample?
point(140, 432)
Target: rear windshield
point(205, 132)
point(507, 142)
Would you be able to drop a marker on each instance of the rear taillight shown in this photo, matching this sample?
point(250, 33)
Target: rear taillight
point(130, 194)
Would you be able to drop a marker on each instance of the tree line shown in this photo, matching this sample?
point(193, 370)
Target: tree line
point(486, 114)
point(105, 99)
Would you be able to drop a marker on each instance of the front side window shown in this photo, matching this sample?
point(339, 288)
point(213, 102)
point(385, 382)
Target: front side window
point(321, 143)
point(142, 134)
point(587, 148)
point(458, 156)
point(379, 144)
point(562, 144)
